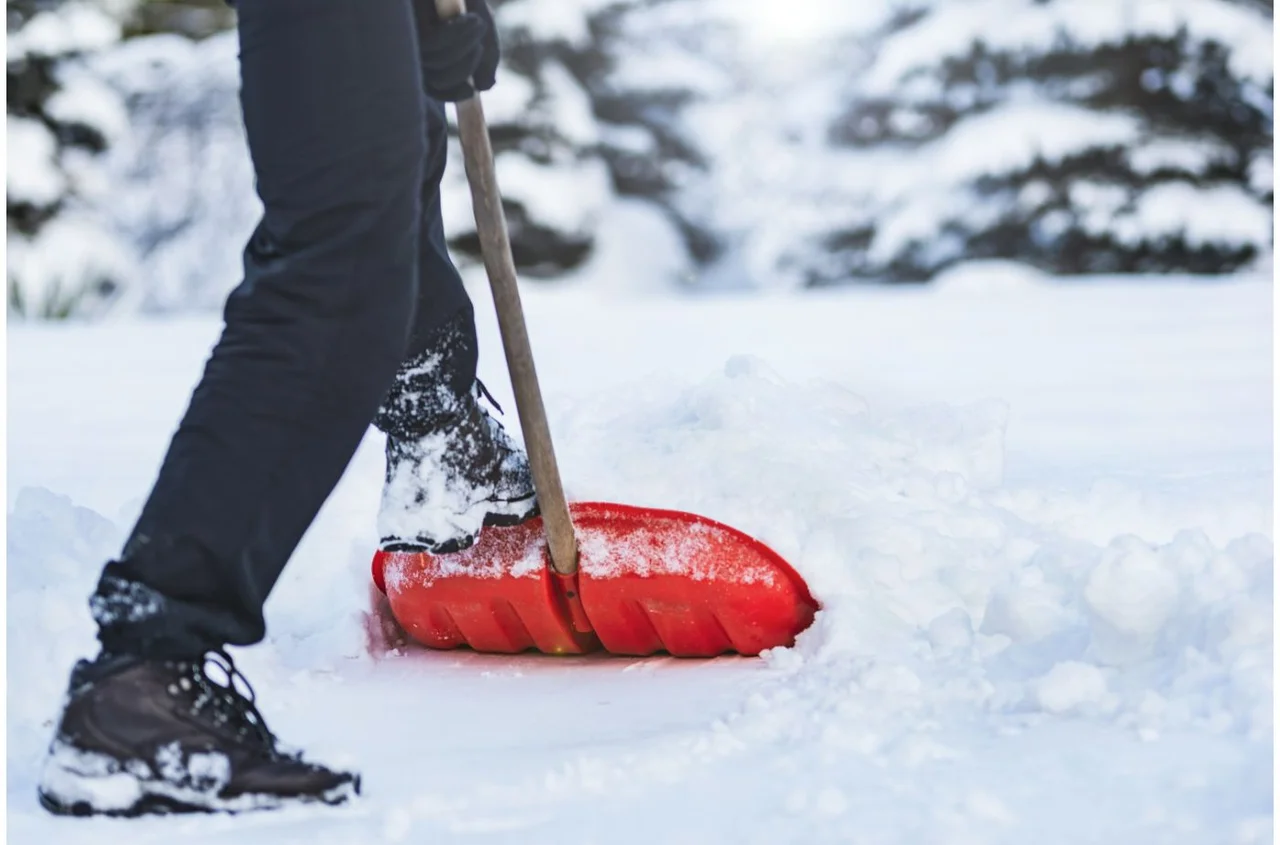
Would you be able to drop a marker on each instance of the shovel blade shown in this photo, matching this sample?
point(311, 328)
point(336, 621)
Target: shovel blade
point(649, 581)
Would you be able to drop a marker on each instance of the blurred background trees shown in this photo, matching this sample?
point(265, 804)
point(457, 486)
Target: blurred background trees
point(1078, 137)
point(64, 255)
point(688, 144)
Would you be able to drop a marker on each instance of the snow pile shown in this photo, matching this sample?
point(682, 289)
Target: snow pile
point(927, 574)
point(55, 553)
point(901, 528)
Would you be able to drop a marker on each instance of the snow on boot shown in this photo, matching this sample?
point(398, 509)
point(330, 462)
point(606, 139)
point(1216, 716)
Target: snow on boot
point(141, 736)
point(444, 487)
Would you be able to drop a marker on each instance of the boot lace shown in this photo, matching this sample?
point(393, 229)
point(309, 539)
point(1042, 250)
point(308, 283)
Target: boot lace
point(501, 440)
point(224, 703)
point(482, 392)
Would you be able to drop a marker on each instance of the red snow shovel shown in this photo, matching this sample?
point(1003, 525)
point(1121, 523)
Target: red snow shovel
point(589, 575)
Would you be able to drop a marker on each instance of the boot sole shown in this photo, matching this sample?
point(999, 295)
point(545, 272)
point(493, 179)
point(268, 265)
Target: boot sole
point(153, 804)
point(135, 796)
point(491, 520)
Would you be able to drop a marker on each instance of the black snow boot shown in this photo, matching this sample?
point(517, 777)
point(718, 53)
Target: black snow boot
point(442, 488)
point(451, 468)
point(141, 736)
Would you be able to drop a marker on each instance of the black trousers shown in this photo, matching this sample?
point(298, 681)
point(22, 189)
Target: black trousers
point(346, 279)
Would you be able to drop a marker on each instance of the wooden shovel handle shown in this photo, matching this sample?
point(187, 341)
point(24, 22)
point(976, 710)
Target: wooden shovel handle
point(450, 8)
point(495, 247)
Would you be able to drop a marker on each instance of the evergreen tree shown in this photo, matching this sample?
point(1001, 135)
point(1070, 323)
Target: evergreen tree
point(181, 185)
point(1076, 137)
point(63, 258)
point(574, 125)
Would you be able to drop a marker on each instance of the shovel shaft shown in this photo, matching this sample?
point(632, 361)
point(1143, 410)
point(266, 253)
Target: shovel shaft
point(495, 246)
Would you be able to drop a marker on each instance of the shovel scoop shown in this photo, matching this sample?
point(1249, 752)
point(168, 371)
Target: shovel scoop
point(590, 575)
point(648, 580)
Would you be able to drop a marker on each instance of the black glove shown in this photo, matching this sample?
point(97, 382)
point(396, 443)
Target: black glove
point(460, 55)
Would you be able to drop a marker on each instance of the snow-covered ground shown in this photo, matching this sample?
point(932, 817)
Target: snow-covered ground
point(1038, 517)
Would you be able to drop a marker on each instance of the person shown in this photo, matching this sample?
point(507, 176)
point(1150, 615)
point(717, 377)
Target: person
point(350, 312)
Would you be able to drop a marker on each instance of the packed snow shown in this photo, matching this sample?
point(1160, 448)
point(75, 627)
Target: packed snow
point(1037, 515)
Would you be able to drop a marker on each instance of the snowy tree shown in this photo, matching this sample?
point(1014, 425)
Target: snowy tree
point(739, 142)
point(182, 182)
point(750, 87)
point(1119, 136)
point(554, 180)
point(63, 257)
point(193, 18)
point(645, 64)
point(578, 119)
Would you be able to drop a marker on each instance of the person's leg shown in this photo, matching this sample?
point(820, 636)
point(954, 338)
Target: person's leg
point(451, 469)
point(443, 304)
point(444, 317)
point(335, 122)
point(442, 351)
point(333, 110)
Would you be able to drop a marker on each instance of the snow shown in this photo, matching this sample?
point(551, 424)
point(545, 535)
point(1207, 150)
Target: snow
point(71, 265)
point(793, 206)
point(918, 188)
point(31, 174)
point(181, 183)
point(71, 27)
point(1186, 154)
point(990, 277)
point(756, 92)
point(1072, 686)
point(1133, 594)
point(84, 99)
point(551, 20)
point(76, 776)
point(772, 178)
point(509, 100)
point(1218, 214)
point(769, 25)
point(1262, 174)
point(421, 501)
point(652, 551)
point(572, 115)
point(638, 252)
point(1038, 517)
point(667, 68)
point(568, 196)
point(1029, 27)
point(90, 778)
